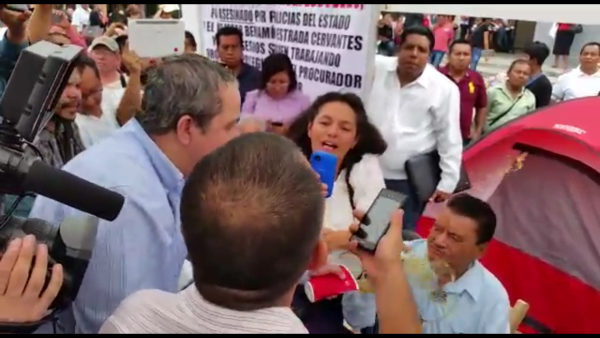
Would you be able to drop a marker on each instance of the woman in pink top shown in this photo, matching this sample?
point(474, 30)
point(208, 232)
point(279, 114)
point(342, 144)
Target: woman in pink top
point(443, 31)
point(278, 100)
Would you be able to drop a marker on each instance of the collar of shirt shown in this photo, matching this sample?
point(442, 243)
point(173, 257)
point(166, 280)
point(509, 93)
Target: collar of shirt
point(470, 282)
point(154, 311)
point(423, 80)
point(282, 319)
point(446, 71)
point(171, 177)
point(506, 92)
point(577, 71)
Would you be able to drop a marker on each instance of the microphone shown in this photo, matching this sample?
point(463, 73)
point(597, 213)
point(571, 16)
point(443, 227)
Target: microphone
point(73, 191)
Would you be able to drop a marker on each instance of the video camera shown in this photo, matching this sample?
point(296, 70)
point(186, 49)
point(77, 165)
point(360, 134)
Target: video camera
point(43, 70)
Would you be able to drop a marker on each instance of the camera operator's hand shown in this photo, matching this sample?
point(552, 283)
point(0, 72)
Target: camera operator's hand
point(387, 256)
point(21, 285)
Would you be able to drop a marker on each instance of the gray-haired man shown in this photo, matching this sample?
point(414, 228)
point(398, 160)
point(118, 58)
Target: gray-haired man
point(190, 107)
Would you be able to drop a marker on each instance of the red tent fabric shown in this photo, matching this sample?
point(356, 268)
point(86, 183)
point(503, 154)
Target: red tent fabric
point(541, 174)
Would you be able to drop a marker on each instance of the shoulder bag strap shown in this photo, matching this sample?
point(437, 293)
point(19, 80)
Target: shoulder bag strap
point(499, 117)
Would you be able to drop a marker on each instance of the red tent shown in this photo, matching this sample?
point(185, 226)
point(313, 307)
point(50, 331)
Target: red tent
point(541, 174)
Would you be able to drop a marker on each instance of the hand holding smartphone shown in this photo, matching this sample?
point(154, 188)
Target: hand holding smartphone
point(376, 222)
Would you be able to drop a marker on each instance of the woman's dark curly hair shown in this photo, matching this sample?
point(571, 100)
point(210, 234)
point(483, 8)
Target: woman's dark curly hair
point(369, 140)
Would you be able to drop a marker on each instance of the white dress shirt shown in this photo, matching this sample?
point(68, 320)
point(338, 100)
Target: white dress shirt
point(366, 179)
point(416, 119)
point(576, 84)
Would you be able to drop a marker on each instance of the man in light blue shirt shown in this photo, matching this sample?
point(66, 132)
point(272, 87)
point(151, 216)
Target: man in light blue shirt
point(453, 292)
point(190, 107)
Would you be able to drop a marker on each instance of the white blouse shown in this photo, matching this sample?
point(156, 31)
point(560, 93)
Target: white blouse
point(367, 180)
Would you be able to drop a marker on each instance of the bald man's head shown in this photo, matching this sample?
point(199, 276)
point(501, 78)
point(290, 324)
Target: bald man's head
point(251, 216)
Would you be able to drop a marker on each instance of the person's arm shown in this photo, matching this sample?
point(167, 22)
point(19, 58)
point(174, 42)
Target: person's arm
point(481, 108)
point(491, 112)
point(39, 23)
point(446, 125)
point(396, 309)
point(559, 88)
point(131, 102)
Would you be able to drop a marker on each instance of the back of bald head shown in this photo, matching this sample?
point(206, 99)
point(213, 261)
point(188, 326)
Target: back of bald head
point(251, 216)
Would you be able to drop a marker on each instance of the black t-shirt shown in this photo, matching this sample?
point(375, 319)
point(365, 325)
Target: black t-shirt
point(385, 31)
point(477, 38)
point(542, 90)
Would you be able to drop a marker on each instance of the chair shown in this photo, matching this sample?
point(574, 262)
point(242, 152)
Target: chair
point(516, 315)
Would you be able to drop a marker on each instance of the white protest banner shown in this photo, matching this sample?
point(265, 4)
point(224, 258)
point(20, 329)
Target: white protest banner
point(331, 46)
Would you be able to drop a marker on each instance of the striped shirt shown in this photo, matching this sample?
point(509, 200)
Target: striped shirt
point(154, 311)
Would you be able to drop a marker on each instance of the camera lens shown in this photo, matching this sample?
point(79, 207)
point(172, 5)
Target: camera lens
point(317, 158)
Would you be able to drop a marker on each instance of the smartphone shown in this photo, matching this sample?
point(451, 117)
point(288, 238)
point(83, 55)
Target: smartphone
point(325, 165)
point(376, 221)
point(18, 7)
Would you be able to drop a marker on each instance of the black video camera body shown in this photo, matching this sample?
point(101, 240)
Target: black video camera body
point(69, 244)
point(42, 71)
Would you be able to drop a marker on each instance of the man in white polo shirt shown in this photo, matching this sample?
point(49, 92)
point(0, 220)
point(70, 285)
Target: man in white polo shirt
point(417, 110)
point(583, 81)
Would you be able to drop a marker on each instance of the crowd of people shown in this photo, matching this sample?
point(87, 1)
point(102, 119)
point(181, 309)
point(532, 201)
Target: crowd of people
point(245, 214)
point(488, 103)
